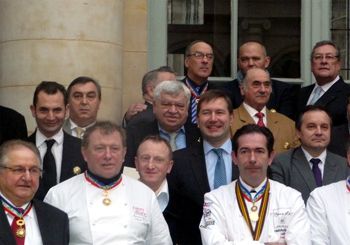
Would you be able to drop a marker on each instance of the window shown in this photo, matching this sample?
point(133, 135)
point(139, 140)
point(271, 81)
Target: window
point(340, 30)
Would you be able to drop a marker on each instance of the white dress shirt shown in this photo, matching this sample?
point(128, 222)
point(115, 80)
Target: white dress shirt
point(322, 157)
point(163, 195)
point(251, 111)
point(324, 89)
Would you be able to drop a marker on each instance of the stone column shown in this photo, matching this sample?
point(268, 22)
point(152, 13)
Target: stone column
point(59, 40)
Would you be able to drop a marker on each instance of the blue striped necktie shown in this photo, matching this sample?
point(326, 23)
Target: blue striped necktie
point(220, 171)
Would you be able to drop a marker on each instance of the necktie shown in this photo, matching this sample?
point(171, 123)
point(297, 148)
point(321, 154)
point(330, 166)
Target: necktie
point(260, 117)
point(172, 141)
point(220, 172)
point(18, 228)
point(317, 95)
point(316, 170)
point(194, 110)
point(79, 131)
point(49, 176)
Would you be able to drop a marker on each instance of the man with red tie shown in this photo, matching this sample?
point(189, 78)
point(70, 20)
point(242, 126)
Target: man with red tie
point(256, 90)
point(22, 219)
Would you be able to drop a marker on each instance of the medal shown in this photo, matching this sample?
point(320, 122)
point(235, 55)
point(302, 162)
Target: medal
point(254, 208)
point(254, 216)
point(106, 188)
point(20, 232)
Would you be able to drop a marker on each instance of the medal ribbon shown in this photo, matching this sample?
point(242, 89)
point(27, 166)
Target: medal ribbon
point(194, 93)
point(247, 195)
point(100, 185)
point(262, 211)
point(348, 183)
point(8, 207)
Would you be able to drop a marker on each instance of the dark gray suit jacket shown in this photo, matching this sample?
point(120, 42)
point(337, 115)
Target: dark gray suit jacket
point(292, 169)
point(71, 158)
point(53, 225)
point(188, 182)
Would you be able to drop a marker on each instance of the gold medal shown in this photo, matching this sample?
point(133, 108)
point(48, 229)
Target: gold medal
point(106, 201)
point(20, 232)
point(254, 216)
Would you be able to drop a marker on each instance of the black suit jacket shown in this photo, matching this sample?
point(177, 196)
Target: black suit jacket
point(292, 169)
point(71, 158)
point(334, 100)
point(53, 225)
point(282, 98)
point(339, 137)
point(12, 125)
point(188, 182)
point(137, 132)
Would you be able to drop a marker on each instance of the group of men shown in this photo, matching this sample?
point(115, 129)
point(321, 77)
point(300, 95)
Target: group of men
point(213, 156)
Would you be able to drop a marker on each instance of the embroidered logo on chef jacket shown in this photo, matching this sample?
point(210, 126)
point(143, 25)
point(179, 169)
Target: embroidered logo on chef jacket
point(207, 215)
point(139, 214)
point(281, 219)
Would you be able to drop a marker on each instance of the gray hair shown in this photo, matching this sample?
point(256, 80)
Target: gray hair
point(172, 88)
point(11, 145)
point(323, 43)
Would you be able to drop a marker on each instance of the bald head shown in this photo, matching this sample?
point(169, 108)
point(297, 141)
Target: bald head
point(252, 55)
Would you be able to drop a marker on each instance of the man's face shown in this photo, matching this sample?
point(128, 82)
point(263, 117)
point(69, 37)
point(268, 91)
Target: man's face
point(252, 158)
point(49, 113)
point(252, 55)
point(198, 68)
point(171, 111)
point(315, 131)
point(83, 104)
point(153, 163)
point(214, 121)
point(104, 154)
point(324, 65)
point(257, 90)
point(15, 185)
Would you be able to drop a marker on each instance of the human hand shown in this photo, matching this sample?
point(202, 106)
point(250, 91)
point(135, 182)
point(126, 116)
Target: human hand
point(134, 109)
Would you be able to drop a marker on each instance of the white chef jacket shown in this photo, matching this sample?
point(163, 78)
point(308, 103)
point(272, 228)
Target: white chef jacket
point(286, 219)
point(133, 217)
point(328, 208)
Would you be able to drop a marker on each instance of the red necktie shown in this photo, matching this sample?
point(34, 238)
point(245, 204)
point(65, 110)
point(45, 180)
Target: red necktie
point(260, 115)
point(18, 229)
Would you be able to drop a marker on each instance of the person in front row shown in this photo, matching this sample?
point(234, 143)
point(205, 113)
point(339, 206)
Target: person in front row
point(254, 209)
point(103, 205)
point(153, 162)
point(24, 220)
point(328, 210)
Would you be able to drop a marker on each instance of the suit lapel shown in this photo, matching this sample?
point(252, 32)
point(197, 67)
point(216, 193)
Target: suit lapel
point(199, 168)
point(330, 171)
point(302, 165)
point(6, 237)
point(244, 116)
point(272, 122)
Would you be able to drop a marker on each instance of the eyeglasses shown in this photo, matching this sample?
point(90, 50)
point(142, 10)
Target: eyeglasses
point(148, 159)
point(327, 57)
point(34, 171)
point(200, 55)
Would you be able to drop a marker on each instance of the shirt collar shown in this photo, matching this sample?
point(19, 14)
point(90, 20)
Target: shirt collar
point(322, 156)
point(249, 188)
point(30, 214)
point(73, 125)
point(181, 130)
point(326, 86)
point(40, 138)
point(252, 111)
point(198, 88)
point(226, 146)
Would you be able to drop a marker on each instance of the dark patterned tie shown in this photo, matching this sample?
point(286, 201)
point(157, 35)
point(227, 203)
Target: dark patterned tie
point(316, 170)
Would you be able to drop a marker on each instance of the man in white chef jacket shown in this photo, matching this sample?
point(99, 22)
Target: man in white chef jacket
point(328, 208)
point(103, 205)
point(253, 209)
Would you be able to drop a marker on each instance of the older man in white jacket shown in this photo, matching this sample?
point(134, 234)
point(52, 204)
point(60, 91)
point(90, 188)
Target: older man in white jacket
point(328, 208)
point(104, 206)
point(253, 209)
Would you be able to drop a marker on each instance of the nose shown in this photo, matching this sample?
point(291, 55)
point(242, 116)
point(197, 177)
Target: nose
point(150, 164)
point(50, 115)
point(213, 116)
point(172, 108)
point(108, 154)
point(318, 130)
point(27, 176)
point(252, 157)
point(84, 99)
